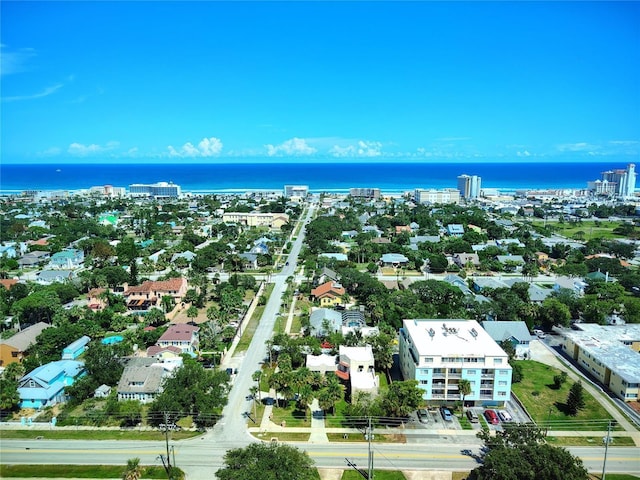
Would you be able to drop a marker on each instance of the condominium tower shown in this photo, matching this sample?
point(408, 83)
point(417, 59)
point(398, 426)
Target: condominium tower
point(469, 186)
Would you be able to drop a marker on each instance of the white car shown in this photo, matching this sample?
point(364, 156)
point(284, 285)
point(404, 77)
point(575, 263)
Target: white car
point(539, 333)
point(505, 416)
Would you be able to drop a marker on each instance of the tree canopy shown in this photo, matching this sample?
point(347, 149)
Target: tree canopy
point(267, 462)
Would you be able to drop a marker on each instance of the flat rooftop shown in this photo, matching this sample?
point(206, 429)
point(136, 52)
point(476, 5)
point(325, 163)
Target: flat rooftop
point(605, 343)
point(451, 337)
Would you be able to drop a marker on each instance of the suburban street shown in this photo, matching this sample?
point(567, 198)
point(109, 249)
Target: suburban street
point(199, 457)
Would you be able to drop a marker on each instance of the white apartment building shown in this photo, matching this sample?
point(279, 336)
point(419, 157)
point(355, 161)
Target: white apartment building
point(438, 353)
point(608, 353)
point(296, 191)
point(448, 195)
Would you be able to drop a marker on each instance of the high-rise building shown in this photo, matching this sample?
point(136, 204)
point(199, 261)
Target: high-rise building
point(469, 186)
point(155, 190)
point(625, 180)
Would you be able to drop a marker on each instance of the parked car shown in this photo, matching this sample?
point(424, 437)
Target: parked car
point(505, 416)
point(472, 416)
point(446, 414)
point(492, 417)
point(423, 415)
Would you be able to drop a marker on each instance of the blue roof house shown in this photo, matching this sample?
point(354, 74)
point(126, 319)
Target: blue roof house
point(77, 348)
point(69, 258)
point(455, 230)
point(45, 385)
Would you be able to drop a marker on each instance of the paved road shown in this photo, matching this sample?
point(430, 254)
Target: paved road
point(199, 457)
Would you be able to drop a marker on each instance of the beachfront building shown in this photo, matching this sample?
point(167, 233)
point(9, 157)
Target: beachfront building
point(608, 353)
point(448, 195)
point(108, 191)
point(469, 186)
point(256, 219)
point(365, 193)
point(155, 190)
point(620, 182)
point(439, 353)
point(296, 191)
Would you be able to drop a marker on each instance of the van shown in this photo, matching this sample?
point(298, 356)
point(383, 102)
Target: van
point(472, 416)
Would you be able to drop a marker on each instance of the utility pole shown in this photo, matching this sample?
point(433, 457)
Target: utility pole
point(607, 439)
point(370, 474)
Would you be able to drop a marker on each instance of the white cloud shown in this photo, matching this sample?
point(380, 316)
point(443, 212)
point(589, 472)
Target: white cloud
point(45, 93)
point(208, 147)
point(294, 146)
point(51, 152)
point(15, 61)
point(81, 150)
point(524, 153)
point(361, 148)
point(577, 147)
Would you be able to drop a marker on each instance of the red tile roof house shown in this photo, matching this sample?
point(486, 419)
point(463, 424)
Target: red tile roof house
point(329, 293)
point(149, 294)
point(183, 336)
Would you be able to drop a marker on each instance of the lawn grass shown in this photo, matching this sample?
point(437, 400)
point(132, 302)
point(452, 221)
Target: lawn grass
point(283, 436)
point(359, 438)
point(589, 441)
point(378, 474)
point(291, 416)
point(590, 228)
point(69, 434)
point(251, 327)
point(614, 476)
point(546, 405)
point(75, 471)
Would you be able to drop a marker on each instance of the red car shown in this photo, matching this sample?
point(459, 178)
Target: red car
point(492, 417)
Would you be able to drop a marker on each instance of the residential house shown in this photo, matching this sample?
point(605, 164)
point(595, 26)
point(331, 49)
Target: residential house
point(44, 386)
point(327, 274)
point(96, 300)
point(394, 260)
point(188, 256)
point(459, 282)
point(466, 260)
point(249, 261)
point(13, 349)
point(33, 259)
point(183, 336)
point(103, 391)
point(516, 333)
point(455, 230)
point(356, 367)
point(324, 321)
point(47, 277)
point(67, 259)
point(150, 293)
point(141, 380)
point(322, 363)
point(328, 294)
point(340, 257)
point(75, 349)
point(257, 219)
point(511, 262)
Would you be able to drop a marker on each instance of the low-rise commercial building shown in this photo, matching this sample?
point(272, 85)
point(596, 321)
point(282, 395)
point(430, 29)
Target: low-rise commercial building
point(609, 354)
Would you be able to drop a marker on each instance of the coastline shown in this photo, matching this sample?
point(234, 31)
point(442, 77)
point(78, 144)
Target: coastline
point(238, 178)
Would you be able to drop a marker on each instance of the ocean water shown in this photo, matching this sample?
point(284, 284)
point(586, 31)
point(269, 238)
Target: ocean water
point(320, 177)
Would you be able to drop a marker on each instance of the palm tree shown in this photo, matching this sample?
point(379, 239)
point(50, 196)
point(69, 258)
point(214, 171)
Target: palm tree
point(305, 397)
point(133, 471)
point(256, 376)
point(464, 387)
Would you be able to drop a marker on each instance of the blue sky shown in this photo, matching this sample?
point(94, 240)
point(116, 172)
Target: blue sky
point(423, 81)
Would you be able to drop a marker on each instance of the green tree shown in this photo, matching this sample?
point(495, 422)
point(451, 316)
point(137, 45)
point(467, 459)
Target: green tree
point(464, 386)
point(267, 461)
point(401, 398)
point(9, 397)
point(192, 312)
point(519, 452)
point(575, 399)
point(133, 470)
